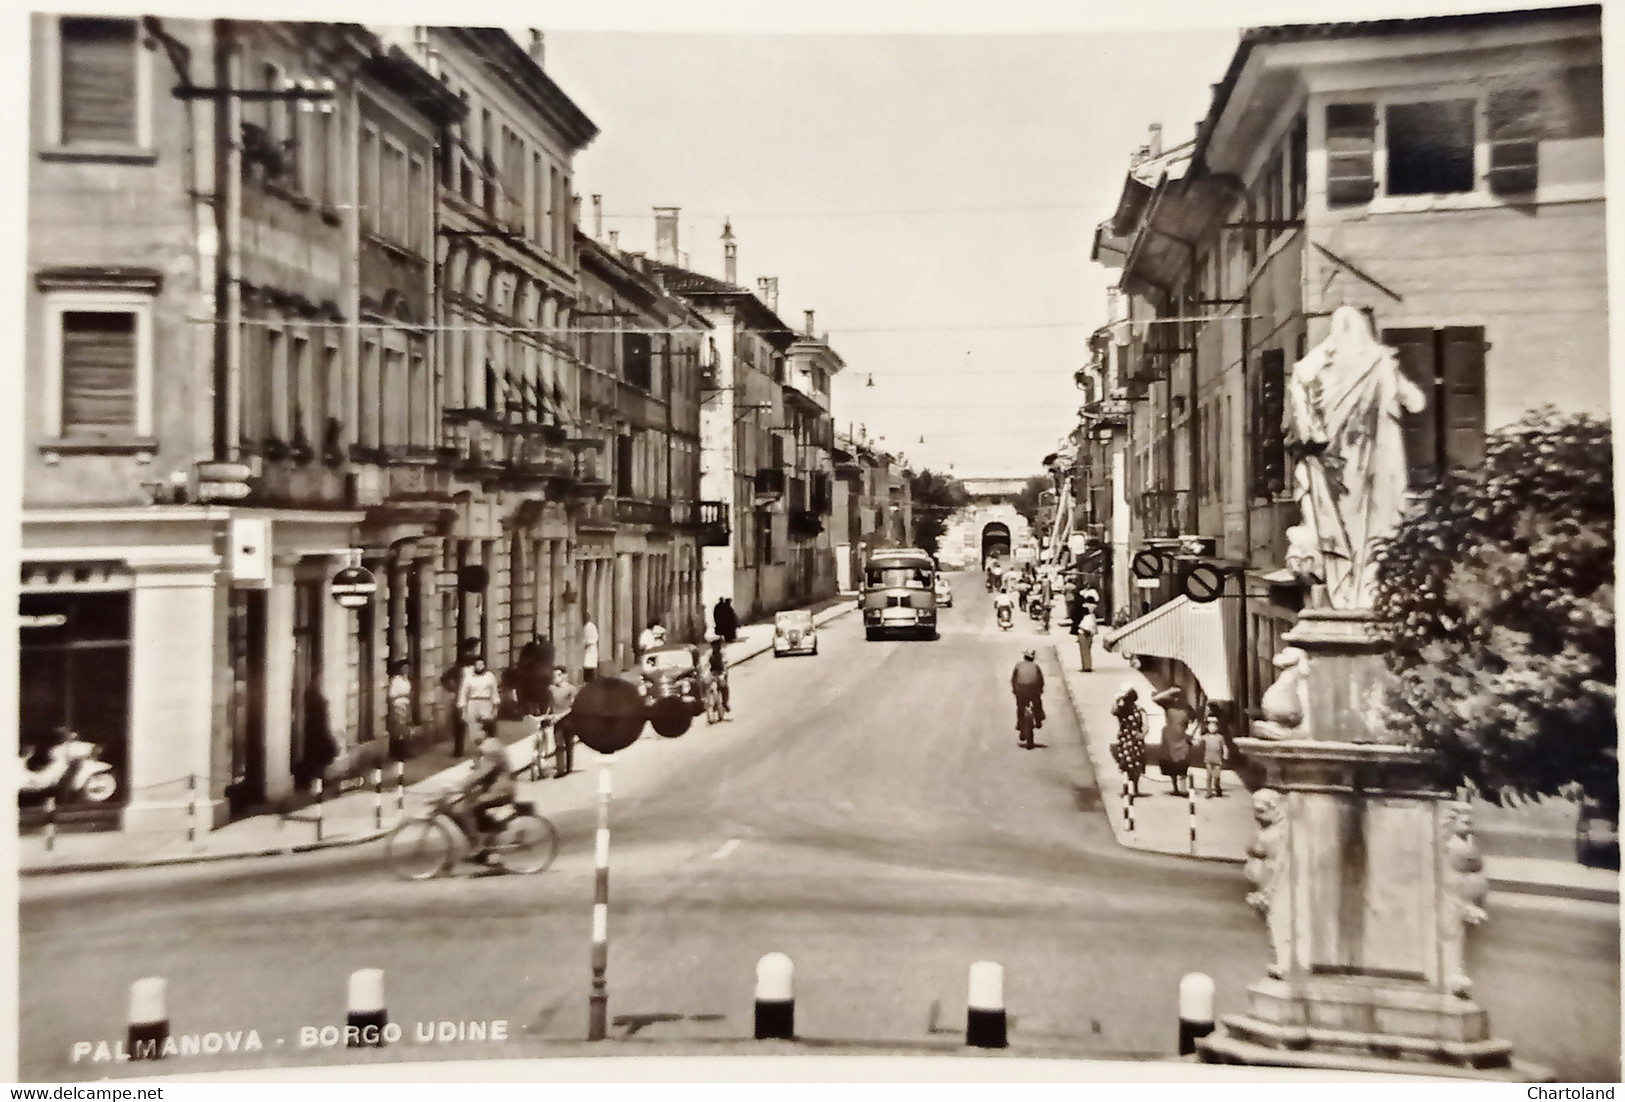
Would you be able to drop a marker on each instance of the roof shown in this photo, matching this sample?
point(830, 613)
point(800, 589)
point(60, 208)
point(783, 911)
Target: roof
point(525, 76)
point(699, 287)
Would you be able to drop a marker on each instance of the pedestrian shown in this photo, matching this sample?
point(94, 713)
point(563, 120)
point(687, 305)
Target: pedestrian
point(477, 699)
point(1087, 626)
point(562, 695)
point(1129, 749)
point(719, 670)
point(452, 682)
point(1175, 756)
point(589, 647)
point(399, 723)
point(1213, 752)
point(651, 637)
point(727, 620)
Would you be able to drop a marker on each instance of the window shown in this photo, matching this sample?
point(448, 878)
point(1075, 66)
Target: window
point(322, 161)
point(419, 396)
point(1297, 167)
point(276, 374)
point(417, 206)
point(304, 390)
point(99, 83)
point(1268, 431)
point(1430, 147)
point(397, 405)
point(555, 213)
point(637, 351)
point(370, 198)
point(488, 190)
point(1351, 144)
point(538, 200)
point(624, 461)
point(1448, 366)
point(103, 369)
point(367, 435)
point(393, 219)
point(330, 396)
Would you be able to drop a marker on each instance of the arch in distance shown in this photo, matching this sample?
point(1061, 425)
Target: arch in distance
point(995, 538)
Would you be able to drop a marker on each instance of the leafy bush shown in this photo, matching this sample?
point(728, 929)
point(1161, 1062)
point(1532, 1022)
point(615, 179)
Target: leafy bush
point(1499, 596)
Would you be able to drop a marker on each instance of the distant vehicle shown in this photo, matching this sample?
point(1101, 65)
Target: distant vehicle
point(899, 594)
point(945, 592)
point(671, 687)
point(794, 633)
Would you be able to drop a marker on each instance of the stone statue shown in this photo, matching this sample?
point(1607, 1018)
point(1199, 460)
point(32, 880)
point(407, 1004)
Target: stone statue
point(1266, 871)
point(1344, 403)
point(1285, 703)
point(1465, 889)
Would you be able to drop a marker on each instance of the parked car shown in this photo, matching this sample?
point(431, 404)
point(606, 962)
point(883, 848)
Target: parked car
point(945, 593)
point(794, 633)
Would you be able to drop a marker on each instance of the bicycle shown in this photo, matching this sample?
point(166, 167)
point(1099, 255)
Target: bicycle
point(426, 845)
point(713, 698)
point(1026, 721)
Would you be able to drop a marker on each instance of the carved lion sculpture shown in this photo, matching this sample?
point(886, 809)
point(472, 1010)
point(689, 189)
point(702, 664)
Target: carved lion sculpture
point(1466, 888)
point(1266, 871)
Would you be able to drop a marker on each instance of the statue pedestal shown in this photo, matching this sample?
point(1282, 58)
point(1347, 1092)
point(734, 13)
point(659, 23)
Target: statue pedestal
point(1366, 875)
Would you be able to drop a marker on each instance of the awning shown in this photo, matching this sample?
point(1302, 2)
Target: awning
point(1195, 634)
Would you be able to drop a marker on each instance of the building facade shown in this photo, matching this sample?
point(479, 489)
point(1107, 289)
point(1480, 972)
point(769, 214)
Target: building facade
point(1446, 176)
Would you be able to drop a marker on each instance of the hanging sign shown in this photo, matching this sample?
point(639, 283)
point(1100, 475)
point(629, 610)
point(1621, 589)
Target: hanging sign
point(353, 587)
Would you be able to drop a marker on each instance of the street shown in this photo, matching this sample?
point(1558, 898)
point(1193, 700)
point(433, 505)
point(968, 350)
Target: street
point(869, 813)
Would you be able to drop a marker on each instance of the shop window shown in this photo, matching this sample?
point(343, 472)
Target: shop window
point(99, 78)
point(74, 676)
point(1430, 147)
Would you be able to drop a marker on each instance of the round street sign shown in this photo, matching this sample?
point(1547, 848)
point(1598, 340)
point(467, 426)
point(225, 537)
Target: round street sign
point(1147, 564)
point(353, 587)
point(1204, 582)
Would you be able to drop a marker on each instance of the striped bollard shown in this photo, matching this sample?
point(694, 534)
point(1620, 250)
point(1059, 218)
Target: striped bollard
point(1128, 816)
point(1128, 811)
point(316, 790)
point(365, 1022)
point(378, 799)
point(598, 1001)
point(1195, 1010)
point(775, 998)
point(191, 809)
point(985, 1025)
point(400, 790)
point(149, 1018)
point(50, 823)
point(1190, 802)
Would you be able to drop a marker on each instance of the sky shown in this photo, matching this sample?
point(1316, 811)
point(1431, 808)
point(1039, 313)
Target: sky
point(931, 197)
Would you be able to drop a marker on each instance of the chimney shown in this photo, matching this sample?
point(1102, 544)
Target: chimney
point(666, 234)
point(615, 239)
point(809, 314)
point(1155, 142)
point(598, 217)
point(538, 47)
point(767, 289)
point(730, 253)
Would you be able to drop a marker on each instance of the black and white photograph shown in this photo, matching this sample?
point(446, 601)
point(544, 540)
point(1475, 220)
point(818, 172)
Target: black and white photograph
point(813, 539)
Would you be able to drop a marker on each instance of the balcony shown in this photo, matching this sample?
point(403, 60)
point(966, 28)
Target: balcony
point(632, 511)
point(1163, 512)
point(640, 408)
point(711, 524)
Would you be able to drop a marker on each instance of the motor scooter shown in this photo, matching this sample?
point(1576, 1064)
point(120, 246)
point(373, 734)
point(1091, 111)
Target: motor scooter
point(1006, 619)
point(73, 769)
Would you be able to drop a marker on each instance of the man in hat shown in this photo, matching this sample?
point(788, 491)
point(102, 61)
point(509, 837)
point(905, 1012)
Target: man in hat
point(1027, 683)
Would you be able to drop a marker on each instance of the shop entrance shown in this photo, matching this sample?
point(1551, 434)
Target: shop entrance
point(74, 678)
point(245, 630)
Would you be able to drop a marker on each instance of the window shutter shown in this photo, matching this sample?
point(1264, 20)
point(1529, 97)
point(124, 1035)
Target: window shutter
point(1417, 359)
point(98, 372)
point(1514, 132)
point(98, 80)
point(1268, 433)
point(638, 348)
point(1351, 142)
point(1462, 390)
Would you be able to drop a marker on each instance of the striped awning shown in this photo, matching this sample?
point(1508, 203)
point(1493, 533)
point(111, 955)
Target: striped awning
point(1195, 634)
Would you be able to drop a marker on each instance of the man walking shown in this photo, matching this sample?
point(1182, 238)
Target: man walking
point(1027, 683)
point(1087, 626)
point(589, 648)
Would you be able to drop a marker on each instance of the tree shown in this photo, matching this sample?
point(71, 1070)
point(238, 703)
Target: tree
point(1499, 597)
point(1028, 502)
point(936, 497)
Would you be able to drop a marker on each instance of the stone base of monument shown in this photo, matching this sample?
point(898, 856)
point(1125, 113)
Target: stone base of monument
point(1368, 1024)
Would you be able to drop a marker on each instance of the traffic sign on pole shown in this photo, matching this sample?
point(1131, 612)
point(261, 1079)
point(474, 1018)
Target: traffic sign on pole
point(1146, 564)
point(1204, 582)
point(353, 587)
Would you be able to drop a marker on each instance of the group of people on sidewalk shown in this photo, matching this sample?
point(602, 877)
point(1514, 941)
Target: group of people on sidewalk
point(1183, 741)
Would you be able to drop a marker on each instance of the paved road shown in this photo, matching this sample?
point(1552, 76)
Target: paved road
point(870, 814)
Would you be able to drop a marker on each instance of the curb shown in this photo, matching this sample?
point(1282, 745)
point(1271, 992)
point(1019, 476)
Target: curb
point(113, 865)
point(285, 849)
point(1506, 885)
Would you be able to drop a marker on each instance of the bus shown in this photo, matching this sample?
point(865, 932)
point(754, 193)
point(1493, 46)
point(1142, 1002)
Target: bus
point(899, 593)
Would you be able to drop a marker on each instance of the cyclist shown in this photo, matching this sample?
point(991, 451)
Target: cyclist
point(1027, 683)
point(490, 785)
point(1004, 606)
point(718, 669)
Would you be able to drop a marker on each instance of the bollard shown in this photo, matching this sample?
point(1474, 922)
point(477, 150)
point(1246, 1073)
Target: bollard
point(775, 998)
point(316, 790)
point(1195, 1010)
point(1190, 793)
point(191, 809)
point(365, 1022)
point(984, 1018)
point(149, 1018)
point(50, 823)
point(378, 799)
point(1128, 811)
point(1128, 816)
point(400, 790)
point(598, 1001)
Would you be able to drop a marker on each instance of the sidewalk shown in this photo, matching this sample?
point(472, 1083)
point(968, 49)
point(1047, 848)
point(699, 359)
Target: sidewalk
point(1224, 825)
point(351, 819)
